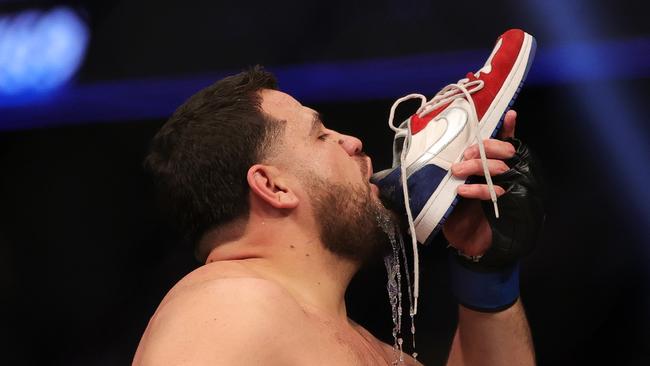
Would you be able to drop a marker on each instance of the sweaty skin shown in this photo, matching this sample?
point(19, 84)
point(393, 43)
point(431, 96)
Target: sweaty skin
point(270, 293)
point(228, 313)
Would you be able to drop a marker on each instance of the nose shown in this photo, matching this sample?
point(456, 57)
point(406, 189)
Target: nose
point(351, 144)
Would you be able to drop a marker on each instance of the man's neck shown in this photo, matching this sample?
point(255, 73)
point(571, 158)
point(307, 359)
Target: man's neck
point(314, 276)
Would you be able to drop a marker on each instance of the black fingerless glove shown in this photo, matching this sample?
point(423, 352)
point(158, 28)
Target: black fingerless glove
point(491, 283)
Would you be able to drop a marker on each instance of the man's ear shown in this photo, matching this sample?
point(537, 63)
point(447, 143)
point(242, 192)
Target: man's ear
point(266, 183)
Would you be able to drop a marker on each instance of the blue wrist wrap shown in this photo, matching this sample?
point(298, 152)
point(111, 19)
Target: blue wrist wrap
point(484, 291)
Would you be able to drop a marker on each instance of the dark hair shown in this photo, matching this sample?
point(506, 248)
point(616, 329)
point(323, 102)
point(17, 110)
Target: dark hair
point(200, 157)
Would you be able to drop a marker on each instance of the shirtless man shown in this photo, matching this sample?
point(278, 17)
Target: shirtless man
point(282, 213)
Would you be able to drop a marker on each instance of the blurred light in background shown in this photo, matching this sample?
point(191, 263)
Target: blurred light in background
point(613, 128)
point(387, 78)
point(40, 51)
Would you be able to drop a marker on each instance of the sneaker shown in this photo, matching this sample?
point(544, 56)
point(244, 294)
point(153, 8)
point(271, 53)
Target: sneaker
point(431, 140)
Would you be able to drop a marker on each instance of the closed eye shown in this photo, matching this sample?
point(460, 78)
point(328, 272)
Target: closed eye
point(323, 137)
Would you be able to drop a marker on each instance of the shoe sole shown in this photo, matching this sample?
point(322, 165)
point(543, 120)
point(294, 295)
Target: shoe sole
point(433, 216)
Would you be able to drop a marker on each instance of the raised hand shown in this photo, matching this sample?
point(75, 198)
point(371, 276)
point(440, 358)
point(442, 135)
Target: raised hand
point(467, 229)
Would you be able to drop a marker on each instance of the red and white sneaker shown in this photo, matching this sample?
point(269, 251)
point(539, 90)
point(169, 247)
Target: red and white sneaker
point(435, 137)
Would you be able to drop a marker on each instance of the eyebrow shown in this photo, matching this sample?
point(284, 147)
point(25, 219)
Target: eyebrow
point(316, 124)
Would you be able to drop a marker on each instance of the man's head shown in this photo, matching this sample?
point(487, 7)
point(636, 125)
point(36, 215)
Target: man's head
point(241, 140)
point(335, 174)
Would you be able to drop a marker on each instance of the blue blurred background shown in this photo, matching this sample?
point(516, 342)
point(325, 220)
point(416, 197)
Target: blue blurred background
point(84, 86)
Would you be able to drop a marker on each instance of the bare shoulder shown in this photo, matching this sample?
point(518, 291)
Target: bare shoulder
point(230, 277)
point(216, 316)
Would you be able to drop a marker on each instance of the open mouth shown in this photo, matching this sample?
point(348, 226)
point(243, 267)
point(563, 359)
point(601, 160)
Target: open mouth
point(373, 186)
point(374, 189)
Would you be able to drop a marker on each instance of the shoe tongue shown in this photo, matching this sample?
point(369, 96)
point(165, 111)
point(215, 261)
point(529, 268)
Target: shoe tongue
point(472, 76)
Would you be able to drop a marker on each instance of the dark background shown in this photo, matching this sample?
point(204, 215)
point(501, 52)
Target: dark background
point(85, 258)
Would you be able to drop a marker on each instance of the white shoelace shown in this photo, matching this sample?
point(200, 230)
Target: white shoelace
point(463, 89)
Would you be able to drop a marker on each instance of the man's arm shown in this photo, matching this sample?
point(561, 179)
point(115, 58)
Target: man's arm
point(220, 322)
point(496, 332)
point(501, 338)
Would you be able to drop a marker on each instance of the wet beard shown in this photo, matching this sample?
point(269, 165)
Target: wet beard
point(350, 220)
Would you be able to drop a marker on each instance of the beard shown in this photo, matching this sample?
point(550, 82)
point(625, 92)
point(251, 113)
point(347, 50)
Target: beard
point(353, 224)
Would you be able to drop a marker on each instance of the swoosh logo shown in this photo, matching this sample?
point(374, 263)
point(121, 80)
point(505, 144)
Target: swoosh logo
point(487, 68)
point(455, 119)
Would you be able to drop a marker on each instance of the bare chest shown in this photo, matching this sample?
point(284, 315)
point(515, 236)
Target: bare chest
point(332, 345)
